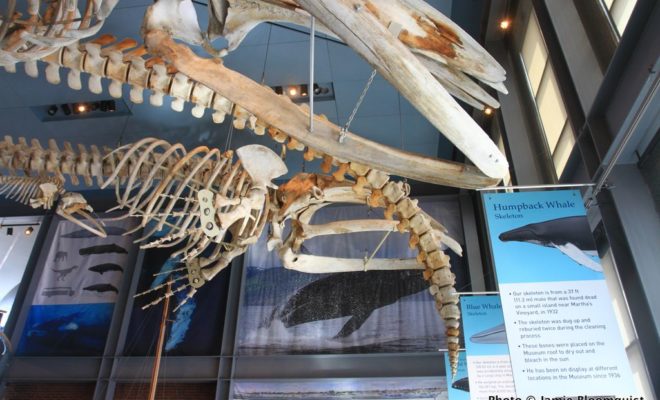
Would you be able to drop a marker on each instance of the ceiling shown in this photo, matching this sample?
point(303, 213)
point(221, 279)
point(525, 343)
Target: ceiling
point(275, 54)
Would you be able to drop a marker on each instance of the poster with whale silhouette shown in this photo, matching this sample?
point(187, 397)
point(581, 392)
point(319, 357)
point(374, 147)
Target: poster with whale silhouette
point(564, 339)
point(79, 283)
point(290, 312)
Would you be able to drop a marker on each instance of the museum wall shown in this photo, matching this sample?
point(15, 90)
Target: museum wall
point(249, 334)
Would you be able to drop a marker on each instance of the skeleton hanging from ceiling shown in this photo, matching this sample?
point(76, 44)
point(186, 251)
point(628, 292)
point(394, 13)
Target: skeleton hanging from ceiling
point(207, 200)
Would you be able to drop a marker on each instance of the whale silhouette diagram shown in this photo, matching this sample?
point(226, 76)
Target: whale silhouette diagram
point(355, 294)
point(570, 235)
point(462, 384)
point(494, 335)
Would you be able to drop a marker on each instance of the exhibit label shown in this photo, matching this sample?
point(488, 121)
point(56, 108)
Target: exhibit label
point(488, 363)
point(562, 333)
point(458, 386)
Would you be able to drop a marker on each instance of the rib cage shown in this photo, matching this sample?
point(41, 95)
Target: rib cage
point(158, 183)
point(24, 188)
point(50, 24)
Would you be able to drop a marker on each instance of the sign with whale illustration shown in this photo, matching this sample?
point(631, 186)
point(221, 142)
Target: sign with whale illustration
point(79, 283)
point(458, 386)
point(486, 348)
point(289, 312)
point(562, 333)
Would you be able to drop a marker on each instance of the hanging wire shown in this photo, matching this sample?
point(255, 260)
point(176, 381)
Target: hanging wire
point(344, 129)
point(230, 134)
point(310, 89)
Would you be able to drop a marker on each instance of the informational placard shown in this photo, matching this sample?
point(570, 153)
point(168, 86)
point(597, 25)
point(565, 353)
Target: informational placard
point(458, 386)
point(488, 363)
point(77, 290)
point(562, 333)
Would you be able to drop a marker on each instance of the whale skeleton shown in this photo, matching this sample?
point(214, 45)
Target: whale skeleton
point(421, 52)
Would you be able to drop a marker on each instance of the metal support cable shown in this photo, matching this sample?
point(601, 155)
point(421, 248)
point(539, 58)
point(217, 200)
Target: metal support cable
point(310, 88)
point(344, 129)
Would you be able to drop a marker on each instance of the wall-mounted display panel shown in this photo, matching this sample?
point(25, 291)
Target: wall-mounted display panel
point(289, 312)
point(77, 289)
point(194, 329)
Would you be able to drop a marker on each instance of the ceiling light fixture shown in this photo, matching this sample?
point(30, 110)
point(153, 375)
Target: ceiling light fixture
point(52, 110)
point(81, 108)
point(488, 111)
point(505, 24)
point(66, 109)
point(29, 230)
point(301, 93)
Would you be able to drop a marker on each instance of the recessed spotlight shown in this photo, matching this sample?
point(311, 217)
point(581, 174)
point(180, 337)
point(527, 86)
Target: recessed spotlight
point(293, 91)
point(52, 110)
point(29, 230)
point(81, 107)
point(303, 90)
point(488, 111)
point(505, 24)
point(279, 90)
point(66, 109)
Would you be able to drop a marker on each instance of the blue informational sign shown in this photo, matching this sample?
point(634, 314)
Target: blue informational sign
point(541, 237)
point(488, 363)
point(563, 337)
point(458, 387)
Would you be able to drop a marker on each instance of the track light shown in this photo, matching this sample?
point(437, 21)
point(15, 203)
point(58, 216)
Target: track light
point(279, 90)
point(317, 89)
point(108, 106)
point(293, 91)
point(488, 111)
point(80, 108)
point(66, 109)
point(303, 90)
point(29, 230)
point(505, 24)
point(52, 110)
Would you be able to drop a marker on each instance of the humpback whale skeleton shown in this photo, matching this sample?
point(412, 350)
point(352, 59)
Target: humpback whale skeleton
point(421, 52)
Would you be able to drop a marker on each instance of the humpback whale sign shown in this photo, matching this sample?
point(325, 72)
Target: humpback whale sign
point(562, 333)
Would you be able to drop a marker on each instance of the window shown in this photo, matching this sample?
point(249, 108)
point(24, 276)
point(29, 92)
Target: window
point(543, 85)
point(620, 12)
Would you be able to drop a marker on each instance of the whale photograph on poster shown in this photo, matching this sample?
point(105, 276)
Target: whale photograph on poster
point(290, 312)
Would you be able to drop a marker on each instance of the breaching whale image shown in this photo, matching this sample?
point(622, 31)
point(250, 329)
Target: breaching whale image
point(354, 294)
point(570, 235)
point(494, 335)
point(461, 384)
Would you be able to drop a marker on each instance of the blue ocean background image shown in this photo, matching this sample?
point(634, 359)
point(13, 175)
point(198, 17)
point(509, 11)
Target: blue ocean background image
point(520, 262)
point(66, 330)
